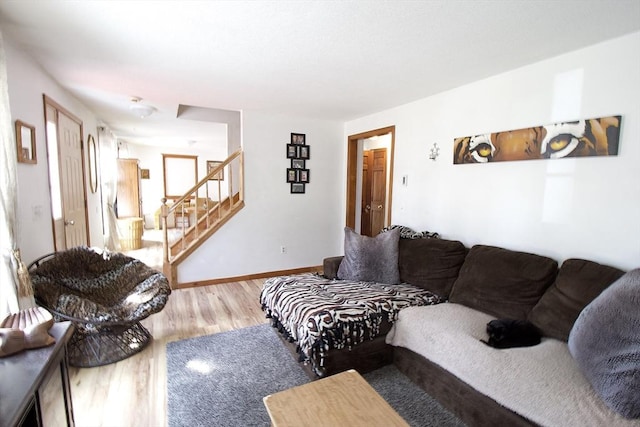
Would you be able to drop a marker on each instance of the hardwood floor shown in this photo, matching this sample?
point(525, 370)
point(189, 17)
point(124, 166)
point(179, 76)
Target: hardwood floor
point(133, 392)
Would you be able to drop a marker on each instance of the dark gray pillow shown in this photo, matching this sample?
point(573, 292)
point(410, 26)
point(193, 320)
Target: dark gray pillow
point(370, 259)
point(605, 341)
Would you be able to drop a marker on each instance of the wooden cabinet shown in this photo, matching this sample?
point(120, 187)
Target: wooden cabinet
point(128, 195)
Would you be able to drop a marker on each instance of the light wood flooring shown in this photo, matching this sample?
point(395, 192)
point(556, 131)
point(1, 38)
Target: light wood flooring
point(133, 392)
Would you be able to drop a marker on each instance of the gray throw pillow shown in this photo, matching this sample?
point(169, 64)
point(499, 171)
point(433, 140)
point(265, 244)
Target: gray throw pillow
point(370, 259)
point(605, 342)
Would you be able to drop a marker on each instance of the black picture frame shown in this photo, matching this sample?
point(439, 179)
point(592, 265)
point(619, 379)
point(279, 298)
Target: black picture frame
point(297, 188)
point(297, 164)
point(292, 151)
point(303, 175)
point(292, 175)
point(298, 138)
point(304, 152)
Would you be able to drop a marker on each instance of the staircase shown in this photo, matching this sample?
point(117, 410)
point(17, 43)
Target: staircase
point(198, 216)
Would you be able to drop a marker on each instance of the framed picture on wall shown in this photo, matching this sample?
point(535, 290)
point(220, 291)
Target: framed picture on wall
point(304, 152)
point(292, 175)
point(211, 165)
point(292, 151)
point(303, 175)
point(26, 142)
point(297, 188)
point(298, 138)
point(297, 164)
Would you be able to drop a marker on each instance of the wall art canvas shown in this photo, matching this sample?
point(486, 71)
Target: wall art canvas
point(581, 138)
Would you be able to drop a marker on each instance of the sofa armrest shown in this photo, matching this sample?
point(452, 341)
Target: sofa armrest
point(330, 266)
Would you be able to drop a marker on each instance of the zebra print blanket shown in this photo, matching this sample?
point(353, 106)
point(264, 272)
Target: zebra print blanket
point(320, 314)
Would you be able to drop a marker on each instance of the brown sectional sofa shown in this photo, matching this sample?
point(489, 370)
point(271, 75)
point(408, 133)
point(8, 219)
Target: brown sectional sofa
point(498, 283)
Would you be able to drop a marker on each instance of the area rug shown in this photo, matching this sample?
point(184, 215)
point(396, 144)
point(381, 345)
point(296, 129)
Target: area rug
point(220, 380)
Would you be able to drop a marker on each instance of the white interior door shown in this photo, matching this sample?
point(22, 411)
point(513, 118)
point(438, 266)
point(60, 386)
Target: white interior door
point(72, 181)
point(66, 176)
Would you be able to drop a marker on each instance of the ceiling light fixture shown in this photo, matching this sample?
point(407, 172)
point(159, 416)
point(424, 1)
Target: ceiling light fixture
point(139, 109)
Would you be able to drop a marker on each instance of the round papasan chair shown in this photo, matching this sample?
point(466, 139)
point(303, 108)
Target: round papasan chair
point(105, 295)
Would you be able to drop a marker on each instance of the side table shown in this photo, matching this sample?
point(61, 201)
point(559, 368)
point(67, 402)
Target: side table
point(35, 388)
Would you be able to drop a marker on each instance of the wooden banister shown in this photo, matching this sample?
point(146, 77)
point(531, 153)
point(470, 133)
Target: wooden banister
point(209, 215)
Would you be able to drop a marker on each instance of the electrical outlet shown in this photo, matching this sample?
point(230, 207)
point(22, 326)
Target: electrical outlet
point(283, 249)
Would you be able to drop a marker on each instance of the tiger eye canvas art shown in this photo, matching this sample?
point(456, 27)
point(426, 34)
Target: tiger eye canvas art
point(581, 138)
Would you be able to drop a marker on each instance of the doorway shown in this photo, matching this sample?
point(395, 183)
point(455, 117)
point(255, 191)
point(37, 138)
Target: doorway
point(369, 181)
point(65, 153)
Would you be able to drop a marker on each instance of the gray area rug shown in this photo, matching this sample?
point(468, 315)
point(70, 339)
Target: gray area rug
point(220, 380)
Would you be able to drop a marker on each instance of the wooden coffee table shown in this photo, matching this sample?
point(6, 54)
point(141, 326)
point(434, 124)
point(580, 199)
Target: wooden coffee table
point(344, 399)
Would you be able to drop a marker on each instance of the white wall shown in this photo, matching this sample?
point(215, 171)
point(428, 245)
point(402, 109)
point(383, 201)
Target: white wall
point(309, 225)
point(27, 82)
point(585, 207)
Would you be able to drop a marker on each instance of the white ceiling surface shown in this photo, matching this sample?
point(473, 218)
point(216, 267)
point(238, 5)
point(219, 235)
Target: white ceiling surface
point(335, 60)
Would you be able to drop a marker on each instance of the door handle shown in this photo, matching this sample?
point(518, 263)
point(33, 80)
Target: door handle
point(70, 222)
point(367, 208)
point(379, 206)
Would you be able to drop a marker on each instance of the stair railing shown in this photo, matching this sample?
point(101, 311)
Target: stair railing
point(197, 203)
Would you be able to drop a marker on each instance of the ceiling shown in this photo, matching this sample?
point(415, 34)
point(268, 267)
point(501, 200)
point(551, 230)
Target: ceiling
point(333, 60)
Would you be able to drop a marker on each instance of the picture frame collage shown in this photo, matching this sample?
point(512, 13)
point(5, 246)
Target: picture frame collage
point(298, 176)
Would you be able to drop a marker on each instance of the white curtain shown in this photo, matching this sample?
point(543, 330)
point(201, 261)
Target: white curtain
point(109, 178)
point(16, 292)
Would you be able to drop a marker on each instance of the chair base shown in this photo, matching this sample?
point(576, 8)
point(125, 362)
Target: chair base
point(102, 345)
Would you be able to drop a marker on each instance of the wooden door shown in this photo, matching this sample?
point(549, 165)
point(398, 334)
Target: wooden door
point(128, 193)
point(72, 183)
point(365, 212)
point(353, 172)
point(374, 190)
point(378, 184)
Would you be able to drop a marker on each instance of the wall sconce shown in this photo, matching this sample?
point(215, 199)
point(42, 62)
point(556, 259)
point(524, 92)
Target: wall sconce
point(435, 152)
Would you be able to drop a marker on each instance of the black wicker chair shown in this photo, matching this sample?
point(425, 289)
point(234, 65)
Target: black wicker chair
point(104, 295)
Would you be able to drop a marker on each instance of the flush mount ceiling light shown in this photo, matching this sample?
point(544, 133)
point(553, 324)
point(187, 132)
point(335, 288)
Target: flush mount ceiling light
point(139, 109)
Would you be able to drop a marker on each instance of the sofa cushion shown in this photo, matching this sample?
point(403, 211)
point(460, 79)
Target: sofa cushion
point(605, 342)
point(330, 266)
point(431, 264)
point(579, 281)
point(370, 259)
point(503, 282)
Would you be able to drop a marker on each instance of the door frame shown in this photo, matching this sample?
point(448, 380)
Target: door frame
point(352, 172)
point(47, 101)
